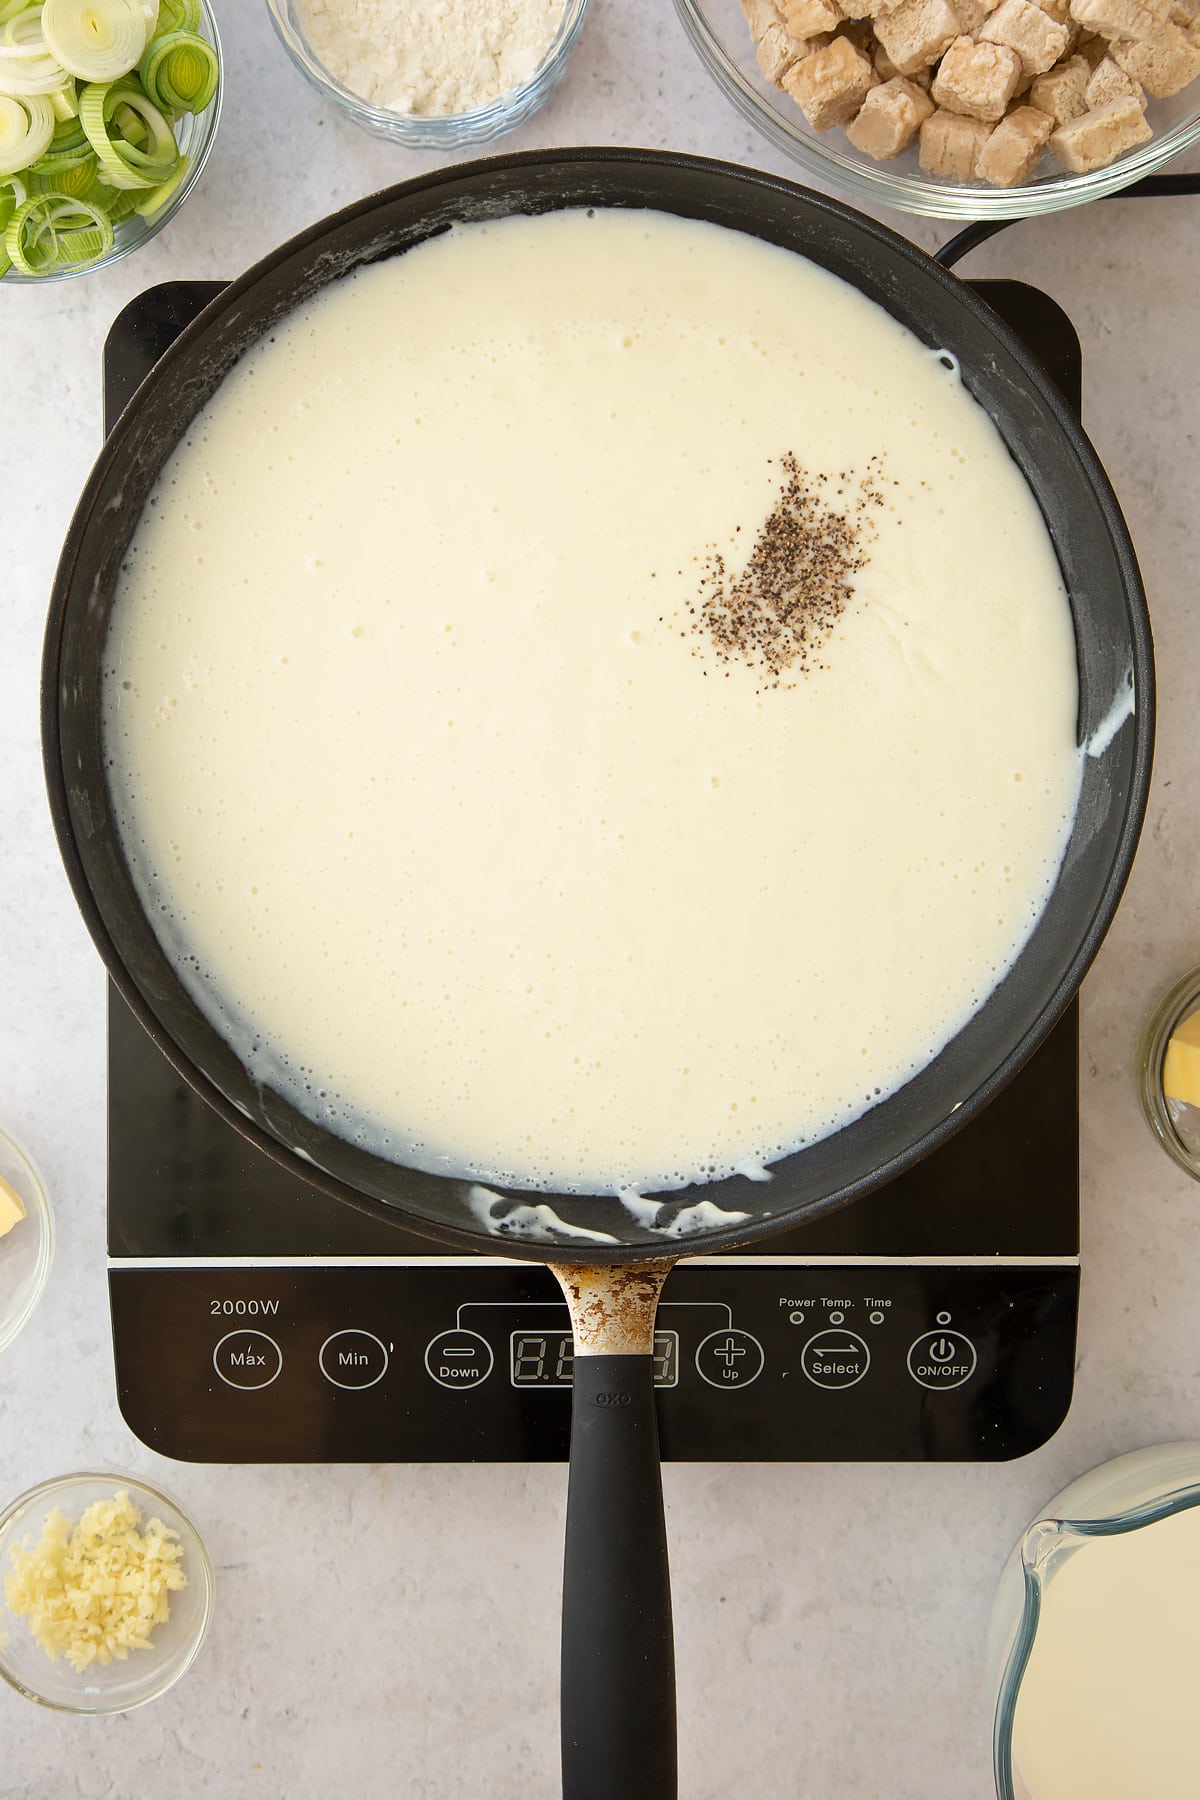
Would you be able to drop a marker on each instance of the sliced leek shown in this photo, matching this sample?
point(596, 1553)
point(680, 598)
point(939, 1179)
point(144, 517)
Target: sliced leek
point(27, 64)
point(96, 40)
point(179, 71)
point(26, 131)
point(123, 163)
point(49, 229)
point(77, 156)
point(179, 15)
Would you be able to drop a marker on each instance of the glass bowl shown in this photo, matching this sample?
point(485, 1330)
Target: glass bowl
point(1141, 1489)
point(721, 36)
point(1169, 1120)
point(428, 131)
point(143, 1674)
point(195, 134)
point(28, 1249)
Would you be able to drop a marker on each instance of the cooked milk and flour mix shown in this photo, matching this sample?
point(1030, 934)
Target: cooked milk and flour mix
point(591, 704)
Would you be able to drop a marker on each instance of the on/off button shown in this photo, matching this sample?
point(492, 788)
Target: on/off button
point(942, 1359)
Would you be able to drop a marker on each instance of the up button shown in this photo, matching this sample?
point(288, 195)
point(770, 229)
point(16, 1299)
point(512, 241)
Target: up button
point(942, 1359)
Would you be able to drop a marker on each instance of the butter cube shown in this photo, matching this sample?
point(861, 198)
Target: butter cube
point(1181, 1064)
point(12, 1209)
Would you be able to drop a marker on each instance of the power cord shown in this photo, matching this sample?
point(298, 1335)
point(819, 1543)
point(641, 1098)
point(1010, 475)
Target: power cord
point(1152, 187)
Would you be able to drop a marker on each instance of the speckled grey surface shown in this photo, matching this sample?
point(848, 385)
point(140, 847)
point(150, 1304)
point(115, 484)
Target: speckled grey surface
point(392, 1630)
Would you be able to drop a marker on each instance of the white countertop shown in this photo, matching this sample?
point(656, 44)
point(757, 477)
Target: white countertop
point(393, 1630)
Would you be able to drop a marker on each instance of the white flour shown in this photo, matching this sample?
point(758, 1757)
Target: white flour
point(433, 56)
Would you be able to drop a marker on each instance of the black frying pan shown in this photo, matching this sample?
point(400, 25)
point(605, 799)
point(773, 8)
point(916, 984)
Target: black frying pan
point(618, 1711)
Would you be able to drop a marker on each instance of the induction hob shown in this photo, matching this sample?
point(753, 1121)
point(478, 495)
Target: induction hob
point(257, 1320)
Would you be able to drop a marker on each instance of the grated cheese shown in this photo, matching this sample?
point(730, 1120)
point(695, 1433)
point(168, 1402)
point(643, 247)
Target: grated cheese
point(95, 1590)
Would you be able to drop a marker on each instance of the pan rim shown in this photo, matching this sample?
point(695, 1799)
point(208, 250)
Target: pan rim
point(710, 1239)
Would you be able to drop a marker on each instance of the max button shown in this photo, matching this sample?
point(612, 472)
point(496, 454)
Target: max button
point(942, 1359)
point(459, 1359)
point(247, 1359)
point(353, 1359)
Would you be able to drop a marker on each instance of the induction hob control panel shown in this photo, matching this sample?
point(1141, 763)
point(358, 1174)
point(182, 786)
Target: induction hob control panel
point(754, 1361)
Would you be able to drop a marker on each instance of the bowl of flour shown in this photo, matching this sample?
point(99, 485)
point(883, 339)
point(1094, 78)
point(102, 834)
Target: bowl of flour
point(442, 74)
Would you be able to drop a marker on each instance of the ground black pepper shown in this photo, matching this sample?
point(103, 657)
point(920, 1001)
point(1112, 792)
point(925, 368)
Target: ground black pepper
point(798, 579)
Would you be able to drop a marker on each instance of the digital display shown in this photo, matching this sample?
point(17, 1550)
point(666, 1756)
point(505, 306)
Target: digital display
point(546, 1358)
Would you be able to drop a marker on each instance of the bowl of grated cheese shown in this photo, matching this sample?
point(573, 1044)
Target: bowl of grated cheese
point(431, 77)
point(106, 1593)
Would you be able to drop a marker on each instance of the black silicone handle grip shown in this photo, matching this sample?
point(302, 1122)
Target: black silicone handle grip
point(618, 1650)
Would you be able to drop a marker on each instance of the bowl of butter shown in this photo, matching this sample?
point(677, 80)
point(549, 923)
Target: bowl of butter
point(26, 1238)
point(1168, 1072)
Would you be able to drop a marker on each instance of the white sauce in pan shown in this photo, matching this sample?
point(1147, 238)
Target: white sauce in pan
point(459, 831)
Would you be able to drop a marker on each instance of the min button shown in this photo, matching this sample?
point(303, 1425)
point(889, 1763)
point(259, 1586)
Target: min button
point(353, 1359)
point(247, 1359)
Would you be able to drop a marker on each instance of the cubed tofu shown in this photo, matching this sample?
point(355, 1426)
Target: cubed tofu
point(977, 80)
point(1121, 18)
point(916, 34)
point(778, 52)
point(1060, 91)
point(1185, 14)
point(889, 119)
point(831, 85)
point(1108, 81)
point(1014, 149)
point(885, 68)
point(973, 15)
point(950, 144)
point(1099, 137)
point(807, 18)
point(1019, 25)
point(1162, 64)
point(760, 15)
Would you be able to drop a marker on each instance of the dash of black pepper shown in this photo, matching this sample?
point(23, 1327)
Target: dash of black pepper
point(798, 579)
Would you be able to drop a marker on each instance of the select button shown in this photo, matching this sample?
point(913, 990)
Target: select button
point(247, 1359)
point(835, 1359)
point(353, 1359)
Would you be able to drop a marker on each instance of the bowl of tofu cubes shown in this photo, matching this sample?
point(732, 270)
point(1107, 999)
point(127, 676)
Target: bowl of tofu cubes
point(962, 108)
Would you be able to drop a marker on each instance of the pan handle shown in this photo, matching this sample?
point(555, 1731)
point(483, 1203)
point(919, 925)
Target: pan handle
point(618, 1652)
